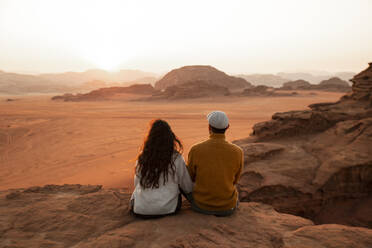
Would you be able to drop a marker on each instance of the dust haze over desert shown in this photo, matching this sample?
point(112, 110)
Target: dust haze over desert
point(80, 81)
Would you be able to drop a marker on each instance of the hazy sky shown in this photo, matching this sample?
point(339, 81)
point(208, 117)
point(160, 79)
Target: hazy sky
point(235, 36)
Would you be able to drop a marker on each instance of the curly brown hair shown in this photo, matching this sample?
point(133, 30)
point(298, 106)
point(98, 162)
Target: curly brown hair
point(157, 155)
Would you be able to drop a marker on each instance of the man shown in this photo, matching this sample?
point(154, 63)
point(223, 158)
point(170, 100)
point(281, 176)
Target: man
point(215, 166)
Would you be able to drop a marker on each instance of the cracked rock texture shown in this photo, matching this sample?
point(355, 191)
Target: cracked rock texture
point(315, 163)
point(89, 216)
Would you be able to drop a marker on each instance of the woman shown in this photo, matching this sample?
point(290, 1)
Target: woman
point(160, 174)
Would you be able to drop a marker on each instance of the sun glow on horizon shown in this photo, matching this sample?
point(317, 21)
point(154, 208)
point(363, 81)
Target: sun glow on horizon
point(100, 34)
point(104, 57)
point(237, 36)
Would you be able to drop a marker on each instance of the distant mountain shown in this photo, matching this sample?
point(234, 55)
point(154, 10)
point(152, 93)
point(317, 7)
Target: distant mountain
point(333, 84)
point(15, 83)
point(277, 80)
point(95, 74)
point(347, 76)
point(304, 76)
point(200, 73)
point(315, 79)
point(297, 84)
point(149, 80)
point(108, 93)
point(264, 79)
point(191, 89)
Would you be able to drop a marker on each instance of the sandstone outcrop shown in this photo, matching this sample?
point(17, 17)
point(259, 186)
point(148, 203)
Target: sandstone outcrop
point(194, 73)
point(107, 93)
point(362, 85)
point(315, 78)
point(315, 163)
point(15, 83)
point(333, 84)
point(270, 80)
point(262, 90)
point(89, 216)
point(190, 90)
point(296, 85)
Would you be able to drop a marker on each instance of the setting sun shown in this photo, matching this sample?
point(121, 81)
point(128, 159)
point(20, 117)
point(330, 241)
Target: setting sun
point(104, 57)
point(237, 36)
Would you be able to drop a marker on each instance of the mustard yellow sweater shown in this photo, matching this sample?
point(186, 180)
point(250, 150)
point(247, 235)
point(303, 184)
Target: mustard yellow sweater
point(215, 166)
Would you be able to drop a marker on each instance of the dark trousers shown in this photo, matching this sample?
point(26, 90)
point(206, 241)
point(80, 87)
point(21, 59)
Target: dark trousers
point(196, 208)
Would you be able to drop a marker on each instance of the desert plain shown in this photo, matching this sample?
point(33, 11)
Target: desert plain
point(56, 142)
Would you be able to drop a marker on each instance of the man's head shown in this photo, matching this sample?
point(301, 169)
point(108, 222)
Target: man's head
point(218, 122)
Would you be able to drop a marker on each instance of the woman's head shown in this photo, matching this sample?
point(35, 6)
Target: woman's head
point(156, 157)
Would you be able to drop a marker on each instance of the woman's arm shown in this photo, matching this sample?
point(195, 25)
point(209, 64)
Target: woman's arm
point(183, 176)
point(136, 179)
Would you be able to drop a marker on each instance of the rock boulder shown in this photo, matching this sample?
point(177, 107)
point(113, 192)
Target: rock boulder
point(315, 163)
point(89, 216)
point(194, 73)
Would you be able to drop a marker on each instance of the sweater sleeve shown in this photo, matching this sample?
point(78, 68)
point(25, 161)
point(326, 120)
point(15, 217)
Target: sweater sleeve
point(136, 179)
point(238, 173)
point(183, 175)
point(191, 165)
point(136, 182)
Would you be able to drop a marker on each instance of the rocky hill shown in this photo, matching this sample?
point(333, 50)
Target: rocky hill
point(15, 83)
point(277, 80)
point(270, 80)
point(108, 93)
point(315, 77)
point(264, 91)
point(89, 216)
point(333, 84)
point(76, 78)
point(362, 86)
point(296, 85)
point(194, 73)
point(315, 163)
point(190, 90)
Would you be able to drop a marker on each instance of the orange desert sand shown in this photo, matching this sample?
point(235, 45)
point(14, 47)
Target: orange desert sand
point(53, 142)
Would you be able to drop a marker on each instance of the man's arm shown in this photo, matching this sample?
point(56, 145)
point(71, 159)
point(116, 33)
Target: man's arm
point(238, 173)
point(191, 165)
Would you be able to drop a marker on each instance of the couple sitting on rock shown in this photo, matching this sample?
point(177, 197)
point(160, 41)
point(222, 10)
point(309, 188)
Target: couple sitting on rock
point(207, 182)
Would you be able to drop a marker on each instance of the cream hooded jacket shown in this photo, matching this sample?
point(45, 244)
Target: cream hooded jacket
point(162, 200)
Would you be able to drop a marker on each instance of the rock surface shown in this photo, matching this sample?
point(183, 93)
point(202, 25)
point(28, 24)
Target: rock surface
point(264, 79)
point(107, 93)
point(333, 84)
point(297, 84)
point(208, 74)
point(262, 90)
point(88, 216)
point(315, 78)
point(315, 163)
point(190, 90)
point(15, 83)
point(362, 85)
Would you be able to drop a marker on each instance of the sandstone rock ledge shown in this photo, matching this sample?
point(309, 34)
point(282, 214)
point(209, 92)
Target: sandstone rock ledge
point(315, 163)
point(89, 216)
